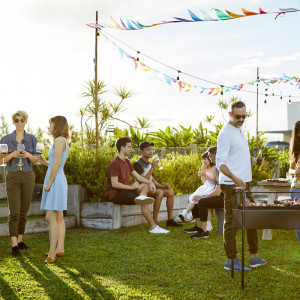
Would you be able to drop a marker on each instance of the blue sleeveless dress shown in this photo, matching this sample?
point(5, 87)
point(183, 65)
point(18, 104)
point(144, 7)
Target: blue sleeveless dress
point(57, 197)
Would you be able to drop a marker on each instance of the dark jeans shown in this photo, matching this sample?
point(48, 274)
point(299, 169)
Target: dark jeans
point(217, 202)
point(227, 235)
point(210, 202)
point(125, 197)
point(19, 188)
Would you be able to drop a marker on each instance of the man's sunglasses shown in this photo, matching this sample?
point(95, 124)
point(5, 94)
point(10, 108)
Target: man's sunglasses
point(17, 120)
point(240, 116)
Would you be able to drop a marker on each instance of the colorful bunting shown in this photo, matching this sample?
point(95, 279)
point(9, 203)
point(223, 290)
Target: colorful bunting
point(213, 91)
point(213, 15)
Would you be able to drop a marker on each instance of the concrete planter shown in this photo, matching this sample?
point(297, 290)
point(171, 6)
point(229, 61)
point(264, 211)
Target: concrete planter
point(109, 216)
point(37, 226)
point(75, 198)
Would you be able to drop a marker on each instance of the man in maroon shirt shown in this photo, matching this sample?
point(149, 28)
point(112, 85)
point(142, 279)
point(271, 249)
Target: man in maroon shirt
point(119, 189)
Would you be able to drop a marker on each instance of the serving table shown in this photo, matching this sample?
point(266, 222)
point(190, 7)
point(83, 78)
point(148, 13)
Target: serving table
point(276, 187)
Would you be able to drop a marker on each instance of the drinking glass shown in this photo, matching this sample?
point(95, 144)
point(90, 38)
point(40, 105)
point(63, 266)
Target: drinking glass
point(3, 150)
point(39, 150)
point(20, 148)
point(155, 156)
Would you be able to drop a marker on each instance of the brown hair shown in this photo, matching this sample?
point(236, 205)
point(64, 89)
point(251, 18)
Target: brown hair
point(122, 141)
point(60, 128)
point(212, 150)
point(204, 155)
point(295, 143)
point(237, 104)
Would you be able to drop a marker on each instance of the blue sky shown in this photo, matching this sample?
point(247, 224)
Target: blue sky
point(47, 53)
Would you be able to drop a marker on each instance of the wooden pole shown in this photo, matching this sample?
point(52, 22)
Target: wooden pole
point(96, 85)
point(257, 111)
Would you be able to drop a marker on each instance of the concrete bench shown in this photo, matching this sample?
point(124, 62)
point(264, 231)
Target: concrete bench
point(109, 216)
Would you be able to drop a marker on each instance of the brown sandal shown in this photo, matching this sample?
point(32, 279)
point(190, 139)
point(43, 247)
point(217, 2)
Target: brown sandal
point(50, 260)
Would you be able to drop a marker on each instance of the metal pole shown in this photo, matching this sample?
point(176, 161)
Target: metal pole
point(233, 236)
point(96, 84)
point(257, 111)
point(243, 236)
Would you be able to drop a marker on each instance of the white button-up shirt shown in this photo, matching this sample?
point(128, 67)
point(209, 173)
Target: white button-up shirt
point(233, 151)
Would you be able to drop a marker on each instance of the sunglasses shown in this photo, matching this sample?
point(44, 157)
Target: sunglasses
point(17, 120)
point(240, 116)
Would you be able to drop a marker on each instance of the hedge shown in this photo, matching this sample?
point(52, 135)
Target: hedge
point(86, 168)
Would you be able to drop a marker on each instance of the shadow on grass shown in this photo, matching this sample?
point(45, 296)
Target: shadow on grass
point(52, 284)
point(6, 292)
point(94, 290)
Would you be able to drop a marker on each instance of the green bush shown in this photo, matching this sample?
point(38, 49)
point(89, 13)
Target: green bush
point(180, 171)
point(85, 168)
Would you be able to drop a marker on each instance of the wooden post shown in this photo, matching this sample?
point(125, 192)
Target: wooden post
point(96, 85)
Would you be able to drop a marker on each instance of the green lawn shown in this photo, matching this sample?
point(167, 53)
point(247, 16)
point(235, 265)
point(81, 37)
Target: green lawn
point(133, 264)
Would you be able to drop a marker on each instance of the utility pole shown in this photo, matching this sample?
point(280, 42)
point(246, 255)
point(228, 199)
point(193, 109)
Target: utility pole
point(96, 84)
point(257, 112)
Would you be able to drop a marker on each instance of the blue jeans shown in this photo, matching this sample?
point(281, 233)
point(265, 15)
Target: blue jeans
point(293, 196)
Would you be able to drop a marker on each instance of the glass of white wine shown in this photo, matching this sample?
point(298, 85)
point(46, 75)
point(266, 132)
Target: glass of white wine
point(39, 150)
point(3, 150)
point(155, 156)
point(20, 148)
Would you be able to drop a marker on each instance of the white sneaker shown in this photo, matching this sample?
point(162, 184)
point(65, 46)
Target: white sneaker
point(158, 229)
point(185, 217)
point(189, 217)
point(142, 199)
point(209, 227)
point(182, 216)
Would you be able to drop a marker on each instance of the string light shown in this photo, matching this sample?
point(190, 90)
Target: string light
point(138, 52)
point(104, 33)
point(290, 101)
point(266, 94)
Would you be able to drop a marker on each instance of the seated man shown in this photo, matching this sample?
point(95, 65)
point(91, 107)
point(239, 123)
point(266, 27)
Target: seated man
point(119, 190)
point(215, 199)
point(146, 168)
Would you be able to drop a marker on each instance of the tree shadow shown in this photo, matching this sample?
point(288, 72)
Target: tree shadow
point(94, 289)
point(6, 292)
point(52, 284)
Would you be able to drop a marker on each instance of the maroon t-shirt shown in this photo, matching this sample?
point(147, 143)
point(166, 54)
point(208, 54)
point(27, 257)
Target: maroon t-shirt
point(122, 169)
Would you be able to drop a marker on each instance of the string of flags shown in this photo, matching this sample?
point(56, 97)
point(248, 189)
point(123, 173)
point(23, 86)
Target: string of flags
point(187, 87)
point(213, 15)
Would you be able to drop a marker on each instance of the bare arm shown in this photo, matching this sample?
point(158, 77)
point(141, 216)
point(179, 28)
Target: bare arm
point(59, 147)
point(238, 181)
point(139, 177)
point(158, 185)
point(154, 164)
point(10, 156)
point(118, 185)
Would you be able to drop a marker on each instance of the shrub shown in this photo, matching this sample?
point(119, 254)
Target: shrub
point(180, 172)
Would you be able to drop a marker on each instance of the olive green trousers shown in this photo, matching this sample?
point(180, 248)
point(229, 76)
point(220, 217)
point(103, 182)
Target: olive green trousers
point(19, 189)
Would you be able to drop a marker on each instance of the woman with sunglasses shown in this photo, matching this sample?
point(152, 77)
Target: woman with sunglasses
point(295, 165)
point(20, 178)
point(55, 193)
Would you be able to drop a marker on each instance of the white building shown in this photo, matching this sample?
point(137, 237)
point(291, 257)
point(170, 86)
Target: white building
point(293, 115)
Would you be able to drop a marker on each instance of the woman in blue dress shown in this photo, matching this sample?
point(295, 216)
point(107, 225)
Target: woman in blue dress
point(55, 193)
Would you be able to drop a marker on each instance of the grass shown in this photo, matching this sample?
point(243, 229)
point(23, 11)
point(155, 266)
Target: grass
point(133, 264)
point(3, 201)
